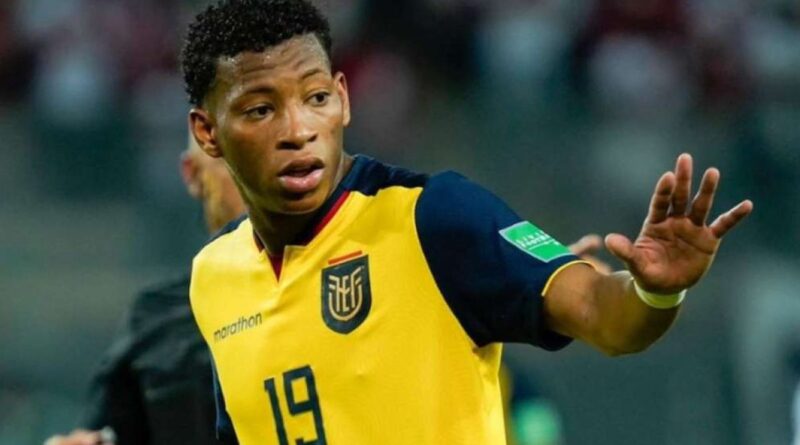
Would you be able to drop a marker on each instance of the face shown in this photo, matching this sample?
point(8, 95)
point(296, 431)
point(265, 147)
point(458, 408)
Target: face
point(277, 118)
point(208, 180)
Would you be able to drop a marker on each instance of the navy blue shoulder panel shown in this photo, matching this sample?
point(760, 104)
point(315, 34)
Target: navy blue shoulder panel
point(493, 287)
point(225, 432)
point(228, 228)
point(369, 176)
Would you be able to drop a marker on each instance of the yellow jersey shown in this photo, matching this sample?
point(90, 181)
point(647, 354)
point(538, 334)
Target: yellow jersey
point(384, 324)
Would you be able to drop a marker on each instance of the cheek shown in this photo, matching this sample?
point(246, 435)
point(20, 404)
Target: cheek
point(332, 121)
point(247, 149)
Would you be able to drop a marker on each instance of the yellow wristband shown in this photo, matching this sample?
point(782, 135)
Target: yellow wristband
point(659, 301)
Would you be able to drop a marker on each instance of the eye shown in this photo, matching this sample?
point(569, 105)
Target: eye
point(259, 112)
point(320, 98)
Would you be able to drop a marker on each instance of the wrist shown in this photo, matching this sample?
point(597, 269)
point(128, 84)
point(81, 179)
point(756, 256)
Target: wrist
point(659, 301)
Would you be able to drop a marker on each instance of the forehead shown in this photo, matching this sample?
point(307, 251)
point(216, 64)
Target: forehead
point(294, 55)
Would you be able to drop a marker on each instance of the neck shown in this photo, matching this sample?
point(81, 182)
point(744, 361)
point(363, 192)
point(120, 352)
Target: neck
point(277, 230)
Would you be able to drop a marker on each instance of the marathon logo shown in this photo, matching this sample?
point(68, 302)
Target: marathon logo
point(240, 325)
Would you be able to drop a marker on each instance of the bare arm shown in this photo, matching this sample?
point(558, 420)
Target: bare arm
point(604, 311)
point(673, 251)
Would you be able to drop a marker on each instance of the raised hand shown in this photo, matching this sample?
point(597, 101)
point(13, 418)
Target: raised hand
point(676, 247)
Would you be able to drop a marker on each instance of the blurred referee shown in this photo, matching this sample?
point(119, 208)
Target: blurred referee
point(154, 383)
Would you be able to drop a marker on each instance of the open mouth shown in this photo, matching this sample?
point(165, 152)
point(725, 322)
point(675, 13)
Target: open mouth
point(301, 175)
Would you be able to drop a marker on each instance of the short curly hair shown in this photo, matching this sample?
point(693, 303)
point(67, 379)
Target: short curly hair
point(231, 27)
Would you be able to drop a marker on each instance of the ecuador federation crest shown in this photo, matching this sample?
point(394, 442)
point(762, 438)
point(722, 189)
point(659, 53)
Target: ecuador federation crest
point(346, 294)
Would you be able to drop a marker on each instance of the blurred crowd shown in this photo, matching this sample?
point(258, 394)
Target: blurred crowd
point(587, 101)
point(631, 76)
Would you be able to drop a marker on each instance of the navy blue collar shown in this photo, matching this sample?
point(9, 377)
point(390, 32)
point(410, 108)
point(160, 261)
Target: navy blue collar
point(331, 205)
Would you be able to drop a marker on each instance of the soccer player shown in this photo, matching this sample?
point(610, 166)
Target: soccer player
point(154, 384)
point(362, 303)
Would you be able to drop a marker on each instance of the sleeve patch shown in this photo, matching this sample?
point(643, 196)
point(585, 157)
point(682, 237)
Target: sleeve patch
point(534, 241)
point(491, 279)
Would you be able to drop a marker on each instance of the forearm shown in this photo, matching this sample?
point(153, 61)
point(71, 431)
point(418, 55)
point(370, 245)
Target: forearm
point(623, 323)
point(604, 311)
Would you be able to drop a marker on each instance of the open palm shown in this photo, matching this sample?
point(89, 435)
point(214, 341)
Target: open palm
point(676, 247)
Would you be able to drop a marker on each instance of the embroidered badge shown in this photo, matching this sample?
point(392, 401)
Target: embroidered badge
point(534, 241)
point(346, 294)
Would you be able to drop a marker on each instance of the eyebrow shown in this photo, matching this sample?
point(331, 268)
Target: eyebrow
point(267, 89)
point(312, 72)
point(259, 89)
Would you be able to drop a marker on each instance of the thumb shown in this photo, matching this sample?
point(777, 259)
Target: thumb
point(621, 247)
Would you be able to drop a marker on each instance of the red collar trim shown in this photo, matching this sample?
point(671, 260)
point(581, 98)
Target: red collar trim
point(329, 216)
point(277, 264)
point(317, 229)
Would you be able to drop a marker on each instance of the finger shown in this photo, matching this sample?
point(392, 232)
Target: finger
point(587, 244)
point(731, 218)
point(108, 435)
point(91, 438)
point(83, 437)
point(701, 205)
point(75, 438)
point(621, 247)
point(683, 185)
point(660, 202)
point(55, 440)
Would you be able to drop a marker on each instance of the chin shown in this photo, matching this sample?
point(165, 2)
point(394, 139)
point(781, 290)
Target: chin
point(303, 206)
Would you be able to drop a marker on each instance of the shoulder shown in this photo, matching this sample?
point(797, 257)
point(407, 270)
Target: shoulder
point(225, 258)
point(452, 203)
point(175, 288)
point(369, 176)
point(223, 244)
point(230, 227)
point(454, 213)
point(154, 300)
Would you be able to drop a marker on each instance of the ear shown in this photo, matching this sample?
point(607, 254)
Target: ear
point(190, 172)
point(344, 95)
point(204, 132)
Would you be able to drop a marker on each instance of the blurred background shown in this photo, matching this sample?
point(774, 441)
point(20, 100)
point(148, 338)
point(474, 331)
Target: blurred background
point(569, 110)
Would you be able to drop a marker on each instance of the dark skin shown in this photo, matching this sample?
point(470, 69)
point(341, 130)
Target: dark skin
point(267, 110)
point(673, 251)
point(273, 115)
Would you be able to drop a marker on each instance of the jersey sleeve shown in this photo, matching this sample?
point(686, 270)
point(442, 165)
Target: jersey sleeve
point(490, 265)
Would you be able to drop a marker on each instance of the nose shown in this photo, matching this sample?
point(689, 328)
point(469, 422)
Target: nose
point(298, 129)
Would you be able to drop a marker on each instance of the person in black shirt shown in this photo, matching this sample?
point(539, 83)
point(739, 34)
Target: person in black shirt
point(154, 383)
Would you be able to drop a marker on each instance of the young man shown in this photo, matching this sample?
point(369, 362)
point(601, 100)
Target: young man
point(362, 303)
point(154, 384)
